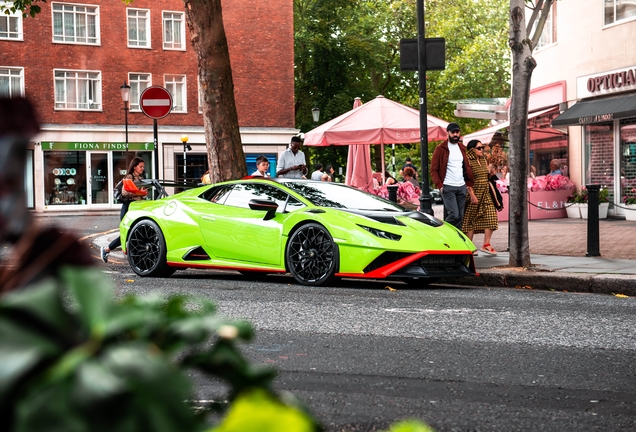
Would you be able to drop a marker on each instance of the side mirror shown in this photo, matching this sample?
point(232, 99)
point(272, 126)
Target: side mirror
point(264, 205)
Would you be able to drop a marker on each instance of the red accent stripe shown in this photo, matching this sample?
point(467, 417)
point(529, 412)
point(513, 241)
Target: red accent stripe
point(389, 269)
point(210, 266)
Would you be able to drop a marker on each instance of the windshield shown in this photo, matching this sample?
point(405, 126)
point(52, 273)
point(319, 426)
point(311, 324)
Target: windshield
point(327, 194)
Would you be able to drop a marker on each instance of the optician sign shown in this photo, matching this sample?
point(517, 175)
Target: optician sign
point(605, 83)
point(103, 146)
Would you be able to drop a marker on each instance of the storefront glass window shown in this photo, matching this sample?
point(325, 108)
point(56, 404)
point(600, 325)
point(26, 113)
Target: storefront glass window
point(64, 178)
point(628, 155)
point(29, 186)
point(599, 155)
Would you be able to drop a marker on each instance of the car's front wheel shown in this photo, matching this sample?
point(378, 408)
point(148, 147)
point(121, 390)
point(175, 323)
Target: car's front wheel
point(312, 255)
point(147, 250)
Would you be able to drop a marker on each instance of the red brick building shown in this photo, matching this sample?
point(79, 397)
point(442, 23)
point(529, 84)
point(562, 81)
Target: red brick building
point(72, 59)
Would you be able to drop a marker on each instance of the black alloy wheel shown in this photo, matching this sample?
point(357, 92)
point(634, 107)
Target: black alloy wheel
point(312, 255)
point(147, 250)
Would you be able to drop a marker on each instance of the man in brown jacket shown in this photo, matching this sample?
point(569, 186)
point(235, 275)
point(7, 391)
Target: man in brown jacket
point(451, 173)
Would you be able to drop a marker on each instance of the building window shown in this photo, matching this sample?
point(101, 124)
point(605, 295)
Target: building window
point(78, 90)
point(11, 24)
point(138, 83)
point(619, 10)
point(173, 31)
point(548, 36)
point(599, 155)
point(200, 94)
point(75, 24)
point(11, 82)
point(176, 85)
point(138, 28)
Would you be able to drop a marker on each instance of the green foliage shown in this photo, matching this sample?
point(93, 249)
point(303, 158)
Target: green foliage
point(348, 49)
point(73, 359)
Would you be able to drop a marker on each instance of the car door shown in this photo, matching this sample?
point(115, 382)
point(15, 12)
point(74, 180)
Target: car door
point(235, 232)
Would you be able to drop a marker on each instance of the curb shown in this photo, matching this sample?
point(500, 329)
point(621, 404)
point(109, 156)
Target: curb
point(603, 283)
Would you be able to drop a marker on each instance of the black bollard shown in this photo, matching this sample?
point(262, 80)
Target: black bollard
point(392, 192)
point(593, 248)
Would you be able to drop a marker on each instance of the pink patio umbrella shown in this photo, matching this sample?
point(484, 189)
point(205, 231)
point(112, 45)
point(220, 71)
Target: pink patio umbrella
point(380, 121)
point(359, 171)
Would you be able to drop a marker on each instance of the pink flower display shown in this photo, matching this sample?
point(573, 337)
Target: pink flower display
point(550, 183)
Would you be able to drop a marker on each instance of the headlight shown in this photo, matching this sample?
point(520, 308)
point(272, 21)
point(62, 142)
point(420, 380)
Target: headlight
point(382, 234)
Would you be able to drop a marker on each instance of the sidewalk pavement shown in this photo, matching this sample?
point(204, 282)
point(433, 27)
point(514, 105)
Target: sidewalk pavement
point(558, 258)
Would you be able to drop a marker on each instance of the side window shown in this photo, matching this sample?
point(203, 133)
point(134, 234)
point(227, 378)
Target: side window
point(173, 31)
point(217, 195)
point(138, 28)
point(10, 24)
point(74, 23)
point(241, 195)
point(176, 85)
point(11, 82)
point(619, 10)
point(138, 83)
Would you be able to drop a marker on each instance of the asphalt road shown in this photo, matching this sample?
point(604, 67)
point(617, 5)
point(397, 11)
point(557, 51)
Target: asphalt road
point(366, 354)
point(363, 356)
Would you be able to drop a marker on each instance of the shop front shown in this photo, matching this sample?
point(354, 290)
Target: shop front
point(606, 112)
point(82, 175)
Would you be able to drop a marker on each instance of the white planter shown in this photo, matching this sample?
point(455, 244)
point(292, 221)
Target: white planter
point(630, 212)
point(602, 210)
point(573, 211)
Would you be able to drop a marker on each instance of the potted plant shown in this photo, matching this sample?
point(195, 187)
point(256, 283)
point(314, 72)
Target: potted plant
point(630, 205)
point(572, 205)
point(603, 203)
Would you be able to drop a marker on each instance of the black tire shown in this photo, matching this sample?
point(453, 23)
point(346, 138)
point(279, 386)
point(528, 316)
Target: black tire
point(419, 282)
point(312, 256)
point(147, 250)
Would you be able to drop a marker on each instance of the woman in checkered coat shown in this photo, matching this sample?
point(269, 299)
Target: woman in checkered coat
point(480, 215)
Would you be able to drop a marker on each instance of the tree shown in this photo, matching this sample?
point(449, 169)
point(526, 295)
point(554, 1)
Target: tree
point(220, 119)
point(523, 64)
point(345, 49)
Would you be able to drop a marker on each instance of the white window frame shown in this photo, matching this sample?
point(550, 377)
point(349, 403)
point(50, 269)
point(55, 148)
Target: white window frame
point(548, 36)
point(168, 20)
point(13, 74)
point(176, 85)
point(76, 81)
point(16, 18)
point(138, 81)
point(136, 43)
point(200, 96)
point(616, 21)
point(77, 13)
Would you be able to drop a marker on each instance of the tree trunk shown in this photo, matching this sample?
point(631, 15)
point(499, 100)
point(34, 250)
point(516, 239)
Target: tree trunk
point(522, 66)
point(225, 151)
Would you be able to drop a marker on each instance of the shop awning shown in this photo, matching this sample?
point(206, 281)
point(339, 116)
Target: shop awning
point(598, 110)
point(485, 135)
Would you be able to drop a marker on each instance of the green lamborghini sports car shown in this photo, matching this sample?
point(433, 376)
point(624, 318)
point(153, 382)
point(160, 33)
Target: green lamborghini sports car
point(317, 231)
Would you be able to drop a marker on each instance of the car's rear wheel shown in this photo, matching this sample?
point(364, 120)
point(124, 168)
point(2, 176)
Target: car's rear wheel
point(312, 255)
point(147, 250)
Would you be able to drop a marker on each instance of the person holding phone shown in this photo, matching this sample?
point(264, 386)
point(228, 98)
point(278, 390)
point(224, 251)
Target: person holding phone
point(291, 163)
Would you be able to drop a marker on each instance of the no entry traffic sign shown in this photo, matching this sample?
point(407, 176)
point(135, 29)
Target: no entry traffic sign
point(155, 102)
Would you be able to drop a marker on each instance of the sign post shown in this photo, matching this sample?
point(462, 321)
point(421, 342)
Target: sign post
point(156, 103)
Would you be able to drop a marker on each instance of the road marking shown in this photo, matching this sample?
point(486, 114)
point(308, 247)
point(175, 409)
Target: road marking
point(460, 311)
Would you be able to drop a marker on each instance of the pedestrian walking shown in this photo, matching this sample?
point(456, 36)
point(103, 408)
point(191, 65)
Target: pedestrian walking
point(135, 173)
point(480, 216)
point(451, 173)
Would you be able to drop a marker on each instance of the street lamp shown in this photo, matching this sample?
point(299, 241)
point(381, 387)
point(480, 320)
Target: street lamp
point(125, 96)
point(315, 113)
point(186, 146)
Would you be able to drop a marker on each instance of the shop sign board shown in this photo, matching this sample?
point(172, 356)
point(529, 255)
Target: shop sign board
point(606, 83)
point(155, 102)
point(96, 146)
